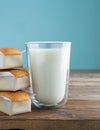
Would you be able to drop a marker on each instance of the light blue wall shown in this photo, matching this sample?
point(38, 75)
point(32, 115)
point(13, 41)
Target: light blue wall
point(73, 20)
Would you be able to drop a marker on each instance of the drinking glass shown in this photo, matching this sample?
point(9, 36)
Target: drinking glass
point(49, 67)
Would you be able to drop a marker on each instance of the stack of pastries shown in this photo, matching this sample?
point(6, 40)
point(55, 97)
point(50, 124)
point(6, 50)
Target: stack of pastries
point(13, 78)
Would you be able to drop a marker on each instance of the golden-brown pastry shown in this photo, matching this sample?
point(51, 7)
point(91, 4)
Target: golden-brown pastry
point(10, 58)
point(13, 103)
point(13, 79)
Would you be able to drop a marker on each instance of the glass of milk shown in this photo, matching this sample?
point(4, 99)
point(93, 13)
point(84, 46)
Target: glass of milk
point(49, 65)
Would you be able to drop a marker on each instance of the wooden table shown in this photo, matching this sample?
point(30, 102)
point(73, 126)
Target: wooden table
point(82, 112)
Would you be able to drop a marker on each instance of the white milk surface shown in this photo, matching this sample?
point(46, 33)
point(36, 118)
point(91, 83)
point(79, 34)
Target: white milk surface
point(49, 69)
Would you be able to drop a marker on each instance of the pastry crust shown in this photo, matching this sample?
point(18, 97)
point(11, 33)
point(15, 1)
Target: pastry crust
point(17, 96)
point(19, 73)
point(10, 51)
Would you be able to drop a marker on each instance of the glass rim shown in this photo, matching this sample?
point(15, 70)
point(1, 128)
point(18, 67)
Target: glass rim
point(48, 42)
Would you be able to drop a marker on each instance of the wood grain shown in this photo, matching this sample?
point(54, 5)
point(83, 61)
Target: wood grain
point(82, 111)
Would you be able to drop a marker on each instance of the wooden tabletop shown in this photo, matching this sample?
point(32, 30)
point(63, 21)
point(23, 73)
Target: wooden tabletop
point(82, 111)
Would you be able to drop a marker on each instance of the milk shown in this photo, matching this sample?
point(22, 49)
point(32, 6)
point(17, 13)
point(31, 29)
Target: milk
point(49, 70)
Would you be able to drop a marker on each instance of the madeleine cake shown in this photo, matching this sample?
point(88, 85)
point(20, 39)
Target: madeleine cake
point(10, 58)
point(13, 79)
point(13, 103)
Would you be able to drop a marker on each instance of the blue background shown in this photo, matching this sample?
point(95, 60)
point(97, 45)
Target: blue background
point(77, 21)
